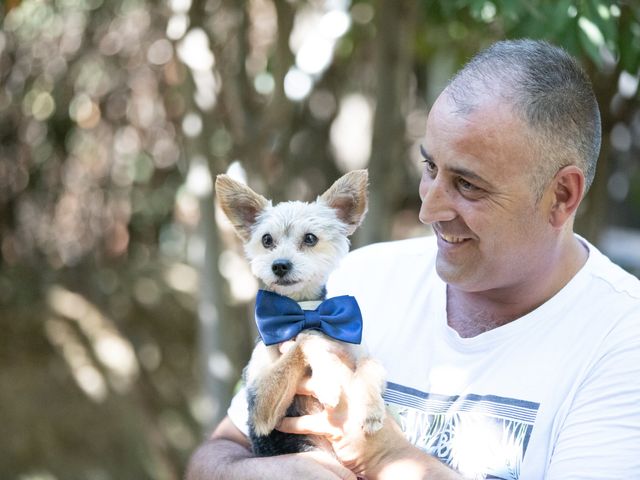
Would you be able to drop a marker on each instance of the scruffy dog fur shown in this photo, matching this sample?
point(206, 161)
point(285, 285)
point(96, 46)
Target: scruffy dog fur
point(310, 238)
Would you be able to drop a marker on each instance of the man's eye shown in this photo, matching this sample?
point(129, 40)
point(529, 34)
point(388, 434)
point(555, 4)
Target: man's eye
point(267, 240)
point(430, 167)
point(310, 239)
point(466, 186)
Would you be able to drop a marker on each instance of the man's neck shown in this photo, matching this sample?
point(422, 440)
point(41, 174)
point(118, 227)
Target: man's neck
point(473, 313)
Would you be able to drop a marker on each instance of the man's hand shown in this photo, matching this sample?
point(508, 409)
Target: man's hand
point(226, 456)
point(386, 454)
point(362, 454)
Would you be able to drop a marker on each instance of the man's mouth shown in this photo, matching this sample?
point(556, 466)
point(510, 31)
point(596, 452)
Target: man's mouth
point(452, 238)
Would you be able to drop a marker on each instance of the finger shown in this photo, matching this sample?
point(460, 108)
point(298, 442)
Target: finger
point(316, 424)
point(331, 464)
point(306, 387)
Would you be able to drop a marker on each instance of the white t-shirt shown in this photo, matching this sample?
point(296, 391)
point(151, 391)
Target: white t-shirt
point(552, 395)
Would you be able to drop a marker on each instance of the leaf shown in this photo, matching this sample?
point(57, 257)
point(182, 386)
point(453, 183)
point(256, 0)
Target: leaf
point(599, 13)
point(591, 39)
point(558, 18)
point(569, 38)
point(629, 44)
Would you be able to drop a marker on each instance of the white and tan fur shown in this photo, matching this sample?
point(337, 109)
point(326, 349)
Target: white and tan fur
point(337, 368)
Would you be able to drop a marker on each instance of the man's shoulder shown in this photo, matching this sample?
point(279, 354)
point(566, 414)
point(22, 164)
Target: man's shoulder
point(611, 298)
point(612, 276)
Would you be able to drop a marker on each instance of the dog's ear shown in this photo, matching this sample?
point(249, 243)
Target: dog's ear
point(349, 197)
point(241, 204)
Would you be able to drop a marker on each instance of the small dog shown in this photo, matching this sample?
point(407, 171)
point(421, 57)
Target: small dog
point(292, 248)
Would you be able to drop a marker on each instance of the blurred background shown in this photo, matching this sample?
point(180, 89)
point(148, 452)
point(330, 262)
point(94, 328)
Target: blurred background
point(125, 302)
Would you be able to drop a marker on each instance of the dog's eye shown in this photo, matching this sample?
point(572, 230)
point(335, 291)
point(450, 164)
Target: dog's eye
point(267, 240)
point(310, 239)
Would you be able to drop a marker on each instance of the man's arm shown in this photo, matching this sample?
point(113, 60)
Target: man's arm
point(227, 456)
point(225, 450)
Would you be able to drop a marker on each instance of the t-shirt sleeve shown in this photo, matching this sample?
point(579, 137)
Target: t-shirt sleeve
point(600, 437)
point(238, 411)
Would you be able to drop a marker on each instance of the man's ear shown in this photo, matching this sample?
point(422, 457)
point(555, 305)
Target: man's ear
point(568, 189)
point(241, 204)
point(348, 196)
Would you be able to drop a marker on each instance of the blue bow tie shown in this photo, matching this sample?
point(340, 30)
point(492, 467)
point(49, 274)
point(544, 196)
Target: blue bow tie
point(280, 318)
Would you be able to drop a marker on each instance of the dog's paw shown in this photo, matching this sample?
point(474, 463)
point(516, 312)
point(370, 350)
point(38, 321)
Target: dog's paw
point(264, 420)
point(373, 423)
point(374, 417)
point(262, 416)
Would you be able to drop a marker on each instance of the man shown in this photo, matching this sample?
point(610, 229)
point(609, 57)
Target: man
point(512, 346)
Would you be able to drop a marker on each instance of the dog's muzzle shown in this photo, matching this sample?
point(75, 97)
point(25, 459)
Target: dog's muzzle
point(281, 267)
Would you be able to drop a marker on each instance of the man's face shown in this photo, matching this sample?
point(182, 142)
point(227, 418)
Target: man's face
point(477, 194)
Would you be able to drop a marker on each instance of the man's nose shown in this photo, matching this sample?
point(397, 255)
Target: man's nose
point(437, 202)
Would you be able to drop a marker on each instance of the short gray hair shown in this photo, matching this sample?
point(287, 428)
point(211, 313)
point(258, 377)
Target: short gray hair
point(549, 90)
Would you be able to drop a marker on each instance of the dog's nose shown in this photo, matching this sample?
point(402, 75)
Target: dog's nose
point(281, 267)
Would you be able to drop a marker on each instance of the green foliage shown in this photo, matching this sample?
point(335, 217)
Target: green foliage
point(601, 30)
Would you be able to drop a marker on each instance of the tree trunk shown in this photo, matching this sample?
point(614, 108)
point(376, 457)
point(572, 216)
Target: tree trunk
point(224, 336)
point(592, 214)
point(396, 22)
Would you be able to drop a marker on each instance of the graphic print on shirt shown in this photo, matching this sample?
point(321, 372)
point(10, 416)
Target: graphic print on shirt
point(482, 437)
